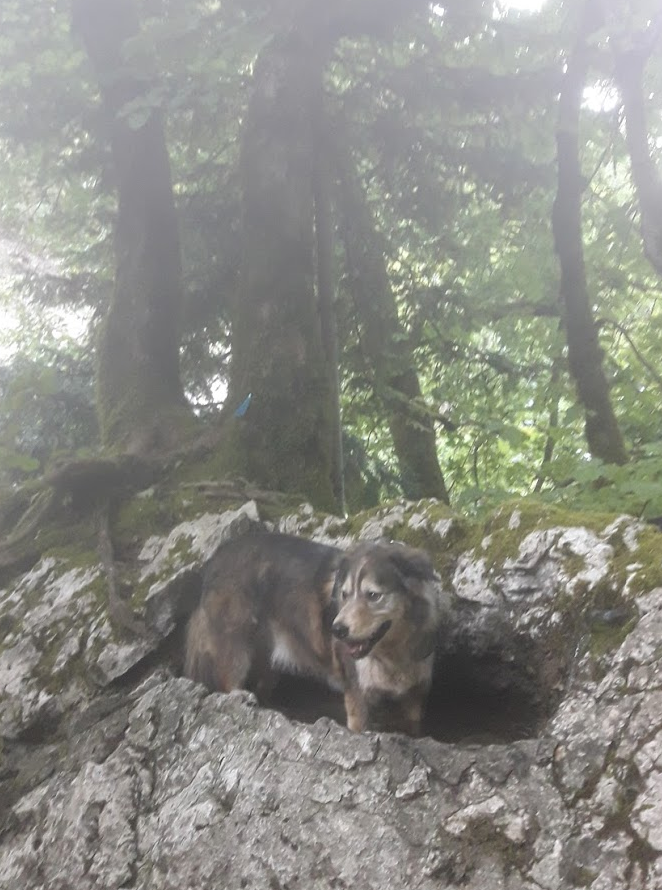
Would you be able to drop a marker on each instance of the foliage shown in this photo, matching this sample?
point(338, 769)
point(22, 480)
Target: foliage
point(46, 407)
point(634, 488)
point(451, 124)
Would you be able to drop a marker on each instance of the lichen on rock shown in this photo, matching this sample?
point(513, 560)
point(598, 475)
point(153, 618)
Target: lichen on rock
point(542, 768)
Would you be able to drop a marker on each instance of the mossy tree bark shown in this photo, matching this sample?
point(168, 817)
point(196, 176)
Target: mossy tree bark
point(602, 432)
point(384, 342)
point(284, 440)
point(282, 350)
point(139, 392)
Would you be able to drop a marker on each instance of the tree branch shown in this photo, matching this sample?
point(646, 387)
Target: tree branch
point(629, 70)
point(624, 333)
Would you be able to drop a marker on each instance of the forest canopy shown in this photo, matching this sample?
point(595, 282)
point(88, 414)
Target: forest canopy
point(380, 247)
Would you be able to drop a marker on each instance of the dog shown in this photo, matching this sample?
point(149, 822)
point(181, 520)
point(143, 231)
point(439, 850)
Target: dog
point(390, 609)
point(365, 621)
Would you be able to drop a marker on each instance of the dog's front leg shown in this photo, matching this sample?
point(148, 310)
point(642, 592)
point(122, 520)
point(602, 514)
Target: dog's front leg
point(355, 708)
point(413, 715)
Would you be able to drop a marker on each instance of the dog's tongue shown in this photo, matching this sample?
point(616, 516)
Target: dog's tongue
point(359, 650)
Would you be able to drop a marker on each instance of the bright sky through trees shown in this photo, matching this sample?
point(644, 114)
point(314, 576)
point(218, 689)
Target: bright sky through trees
point(528, 5)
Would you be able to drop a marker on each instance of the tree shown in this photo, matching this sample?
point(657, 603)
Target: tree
point(327, 292)
point(285, 437)
point(281, 356)
point(382, 337)
point(450, 121)
point(140, 399)
point(603, 435)
point(629, 66)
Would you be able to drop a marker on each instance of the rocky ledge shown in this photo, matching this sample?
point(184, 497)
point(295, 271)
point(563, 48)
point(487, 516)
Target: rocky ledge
point(543, 768)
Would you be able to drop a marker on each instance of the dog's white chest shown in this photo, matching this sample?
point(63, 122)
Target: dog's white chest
point(283, 655)
point(395, 679)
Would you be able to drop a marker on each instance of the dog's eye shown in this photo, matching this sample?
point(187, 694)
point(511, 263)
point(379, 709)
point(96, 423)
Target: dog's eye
point(374, 595)
point(345, 594)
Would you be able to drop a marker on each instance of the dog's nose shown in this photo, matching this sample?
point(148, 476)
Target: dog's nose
point(340, 631)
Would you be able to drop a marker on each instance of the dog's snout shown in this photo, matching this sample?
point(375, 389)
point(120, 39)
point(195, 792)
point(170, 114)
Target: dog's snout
point(340, 631)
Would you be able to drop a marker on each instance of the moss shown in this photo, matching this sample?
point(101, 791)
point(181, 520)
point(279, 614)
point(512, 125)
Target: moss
point(157, 510)
point(77, 556)
point(66, 560)
point(179, 554)
point(443, 550)
point(77, 537)
point(501, 536)
point(210, 466)
point(512, 522)
point(648, 554)
point(607, 638)
point(51, 642)
point(602, 611)
point(142, 516)
point(272, 460)
point(60, 532)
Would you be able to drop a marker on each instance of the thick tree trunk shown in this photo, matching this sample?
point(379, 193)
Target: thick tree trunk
point(603, 435)
point(282, 350)
point(395, 380)
point(140, 399)
point(285, 438)
point(647, 182)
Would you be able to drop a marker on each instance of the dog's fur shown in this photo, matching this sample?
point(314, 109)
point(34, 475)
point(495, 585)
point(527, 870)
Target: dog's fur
point(266, 606)
point(364, 621)
point(386, 628)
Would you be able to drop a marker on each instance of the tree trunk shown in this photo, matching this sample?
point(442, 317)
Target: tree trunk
point(648, 185)
point(281, 354)
point(603, 435)
point(139, 392)
point(326, 293)
point(284, 440)
point(395, 380)
point(553, 427)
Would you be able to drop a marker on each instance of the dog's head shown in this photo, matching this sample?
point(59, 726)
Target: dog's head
point(386, 596)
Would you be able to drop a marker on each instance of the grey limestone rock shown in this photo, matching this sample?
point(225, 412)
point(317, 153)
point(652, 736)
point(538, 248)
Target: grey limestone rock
point(112, 781)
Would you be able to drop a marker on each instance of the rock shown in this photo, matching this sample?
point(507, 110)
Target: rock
point(548, 683)
point(195, 541)
point(61, 645)
point(48, 611)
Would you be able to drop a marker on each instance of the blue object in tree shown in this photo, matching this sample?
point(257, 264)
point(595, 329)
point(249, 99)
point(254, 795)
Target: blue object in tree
point(243, 408)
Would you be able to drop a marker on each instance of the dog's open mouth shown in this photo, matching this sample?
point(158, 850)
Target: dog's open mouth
point(361, 648)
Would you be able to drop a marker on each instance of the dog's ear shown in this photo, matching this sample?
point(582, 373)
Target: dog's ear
point(412, 563)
